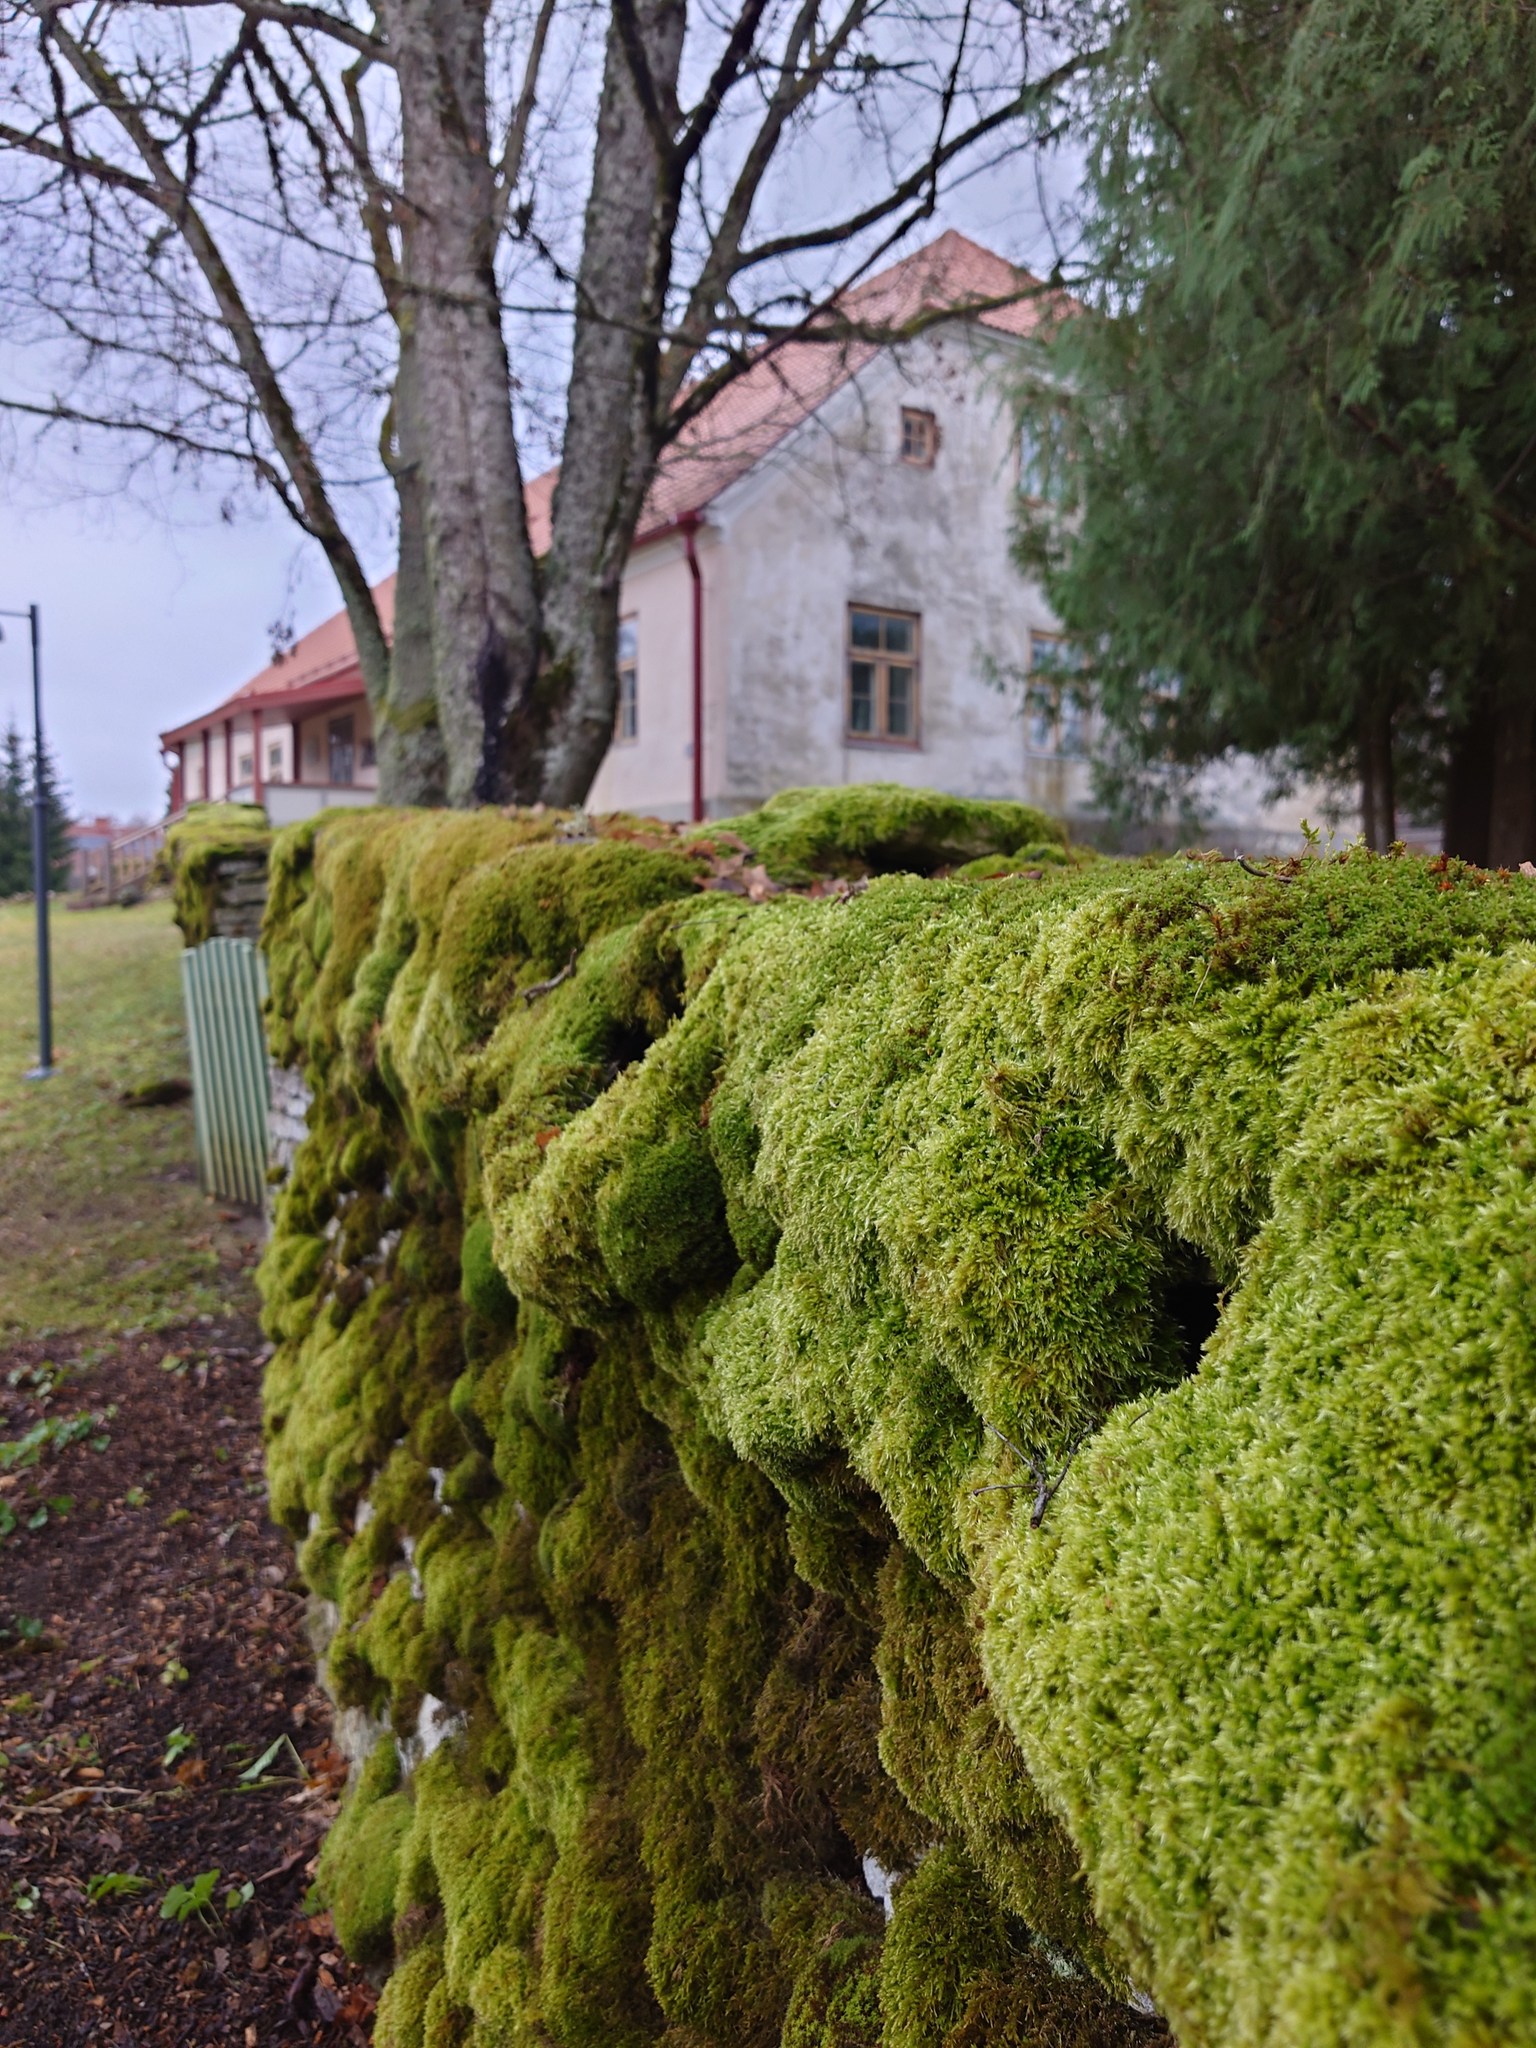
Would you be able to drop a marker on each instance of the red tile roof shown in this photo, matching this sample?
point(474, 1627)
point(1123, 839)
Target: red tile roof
point(785, 385)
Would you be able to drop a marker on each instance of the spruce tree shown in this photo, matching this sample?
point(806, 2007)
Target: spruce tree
point(16, 793)
point(15, 817)
point(1298, 446)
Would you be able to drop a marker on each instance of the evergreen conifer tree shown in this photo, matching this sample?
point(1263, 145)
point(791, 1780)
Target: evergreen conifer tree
point(1297, 433)
point(16, 817)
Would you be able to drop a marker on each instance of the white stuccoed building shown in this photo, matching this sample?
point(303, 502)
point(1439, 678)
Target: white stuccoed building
point(846, 533)
point(822, 590)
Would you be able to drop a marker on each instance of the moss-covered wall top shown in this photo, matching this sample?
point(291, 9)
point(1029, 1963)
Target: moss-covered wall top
point(923, 1462)
point(214, 852)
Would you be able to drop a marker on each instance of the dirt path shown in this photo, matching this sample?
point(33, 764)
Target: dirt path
point(159, 1721)
point(153, 1653)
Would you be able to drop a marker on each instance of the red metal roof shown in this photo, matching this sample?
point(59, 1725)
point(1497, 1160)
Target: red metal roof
point(784, 386)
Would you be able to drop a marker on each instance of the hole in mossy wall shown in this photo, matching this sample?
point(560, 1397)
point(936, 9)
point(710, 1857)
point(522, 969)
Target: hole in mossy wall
point(1193, 1300)
point(626, 1044)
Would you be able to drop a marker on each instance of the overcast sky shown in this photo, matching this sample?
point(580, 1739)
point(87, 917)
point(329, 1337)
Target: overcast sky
point(154, 610)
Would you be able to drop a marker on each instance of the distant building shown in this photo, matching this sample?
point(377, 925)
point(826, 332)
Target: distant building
point(822, 590)
point(90, 841)
point(109, 855)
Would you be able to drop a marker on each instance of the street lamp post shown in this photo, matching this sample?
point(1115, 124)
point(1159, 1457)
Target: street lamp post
point(44, 1065)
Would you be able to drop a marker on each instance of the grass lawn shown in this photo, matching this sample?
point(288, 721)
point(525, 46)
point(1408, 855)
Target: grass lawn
point(102, 1227)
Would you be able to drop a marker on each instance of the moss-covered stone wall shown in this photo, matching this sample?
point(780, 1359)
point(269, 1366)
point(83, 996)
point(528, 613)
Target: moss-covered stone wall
point(1013, 1394)
point(215, 859)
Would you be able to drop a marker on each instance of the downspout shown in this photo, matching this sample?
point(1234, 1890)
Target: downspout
point(689, 525)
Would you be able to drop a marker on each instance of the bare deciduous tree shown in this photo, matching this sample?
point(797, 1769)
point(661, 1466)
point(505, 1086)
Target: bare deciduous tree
point(284, 235)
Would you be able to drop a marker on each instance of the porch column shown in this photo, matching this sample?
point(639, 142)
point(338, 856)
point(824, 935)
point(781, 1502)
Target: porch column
point(229, 758)
point(178, 777)
point(256, 751)
point(298, 758)
point(207, 765)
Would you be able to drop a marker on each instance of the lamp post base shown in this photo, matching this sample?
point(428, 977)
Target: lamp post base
point(39, 1073)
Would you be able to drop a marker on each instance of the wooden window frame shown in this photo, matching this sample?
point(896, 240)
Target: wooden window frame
point(915, 417)
point(1052, 683)
point(882, 662)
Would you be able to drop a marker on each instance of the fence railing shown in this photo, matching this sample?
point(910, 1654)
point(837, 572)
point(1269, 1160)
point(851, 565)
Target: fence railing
point(224, 982)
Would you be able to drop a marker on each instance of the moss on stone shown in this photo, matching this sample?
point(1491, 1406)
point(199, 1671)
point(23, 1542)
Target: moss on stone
point(884, 828)
point(683, 1307)
point(204, 844)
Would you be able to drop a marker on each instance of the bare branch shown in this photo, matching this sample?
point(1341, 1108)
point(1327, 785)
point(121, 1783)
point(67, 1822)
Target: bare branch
point(293, 14)
point(313, 508)
point(510, 169)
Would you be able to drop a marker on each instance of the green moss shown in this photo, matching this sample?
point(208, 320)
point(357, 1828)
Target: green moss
point(1026, 1380)
point(484, 1289)
point(883, 828)
point(359, 1864)
point(206, 845)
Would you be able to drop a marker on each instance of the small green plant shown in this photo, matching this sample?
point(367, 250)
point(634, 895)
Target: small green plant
point(56, 1433)
point(182, 1901)
point(25, 1897)
point(177, 1743)
point(254, 1773)
point(114, 1884)
point(57, 1506)
point(176, 1517)
point(174, 1673)
point(135, 1497)
point(239, 1895)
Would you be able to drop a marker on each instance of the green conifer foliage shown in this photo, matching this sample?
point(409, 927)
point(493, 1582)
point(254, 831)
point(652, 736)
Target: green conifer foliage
point(1024, 1383)
point(1296, 443)
point(16, 801)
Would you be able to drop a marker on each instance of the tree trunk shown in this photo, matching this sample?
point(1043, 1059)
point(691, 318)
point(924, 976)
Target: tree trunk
point(412, 767)
point(613, 432)
point(1469, 782)
point(1378, 793)
point(1512, 805)
point(484, 586)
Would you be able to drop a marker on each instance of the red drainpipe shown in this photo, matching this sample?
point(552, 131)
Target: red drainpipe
point(689, 526)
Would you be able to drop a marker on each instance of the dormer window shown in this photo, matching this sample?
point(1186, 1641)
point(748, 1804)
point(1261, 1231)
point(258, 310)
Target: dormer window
point(919, 437)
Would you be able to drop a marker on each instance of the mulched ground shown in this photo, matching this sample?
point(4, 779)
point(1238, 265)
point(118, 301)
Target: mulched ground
point(142, 1591)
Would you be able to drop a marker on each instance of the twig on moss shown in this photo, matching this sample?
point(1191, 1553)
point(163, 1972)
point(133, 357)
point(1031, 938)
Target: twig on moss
point(1265, 874)
point(542, 988)
point(1045, 1487)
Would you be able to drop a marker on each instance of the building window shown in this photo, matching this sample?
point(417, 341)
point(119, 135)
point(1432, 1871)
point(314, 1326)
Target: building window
point(919, 437)
point(1055, 713)
point(1042, 452)
point(626, 724)
point(275, 761)
point(365, 755)
point(341, 749)
point(245, 768)
point(883, 652)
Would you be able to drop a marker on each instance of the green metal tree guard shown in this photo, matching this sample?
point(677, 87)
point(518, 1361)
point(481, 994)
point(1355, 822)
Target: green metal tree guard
point(225, 985)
